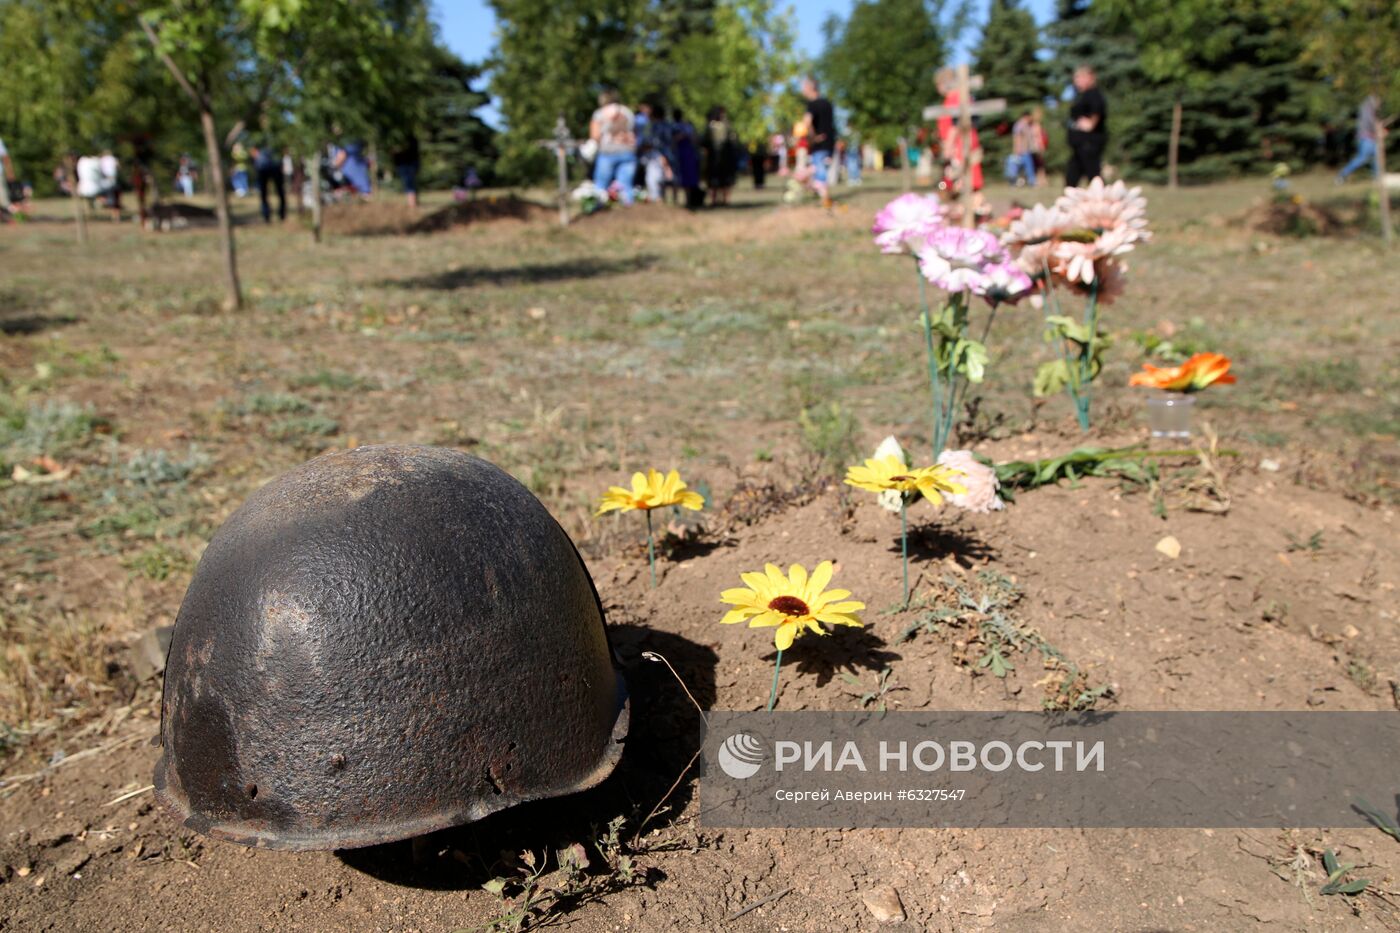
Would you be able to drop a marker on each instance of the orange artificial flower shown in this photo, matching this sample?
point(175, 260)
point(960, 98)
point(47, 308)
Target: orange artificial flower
point(1195, 374)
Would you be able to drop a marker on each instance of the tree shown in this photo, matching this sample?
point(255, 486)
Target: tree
point(453, 136)
point(554, 57)
point(1357, 44)
point(207, 50)
point(1240, 96)
point(1007, 59)
point(738, 64)
point(76, 78)
point(879, 62)
point(1246, 99)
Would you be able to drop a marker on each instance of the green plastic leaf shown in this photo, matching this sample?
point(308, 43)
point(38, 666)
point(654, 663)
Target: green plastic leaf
point(974, 360)
point(1051, 378)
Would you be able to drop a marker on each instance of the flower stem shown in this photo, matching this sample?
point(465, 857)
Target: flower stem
point(1072, 385)
point(904, 545)
point(935, 386)
point(949, 413)
point(1086, 356)
point(773, 694)
point(651, 550)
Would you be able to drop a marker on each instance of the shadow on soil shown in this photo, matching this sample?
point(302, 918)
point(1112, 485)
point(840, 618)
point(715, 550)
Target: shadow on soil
point(933, 542)
point(530, 273)
point(845, 651)
point(20, 314)
point(665, 732)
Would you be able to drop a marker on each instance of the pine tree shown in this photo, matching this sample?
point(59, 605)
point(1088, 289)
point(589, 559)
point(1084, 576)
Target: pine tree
point(1082, 35)
point(454, 137)
point(1008, 62)
point(1248, 98)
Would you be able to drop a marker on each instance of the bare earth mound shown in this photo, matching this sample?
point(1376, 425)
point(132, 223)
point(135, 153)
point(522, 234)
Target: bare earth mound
point(383, 218)
point(1246, 617)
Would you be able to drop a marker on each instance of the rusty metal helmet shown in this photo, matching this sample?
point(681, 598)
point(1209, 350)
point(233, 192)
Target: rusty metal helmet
point(381, 643)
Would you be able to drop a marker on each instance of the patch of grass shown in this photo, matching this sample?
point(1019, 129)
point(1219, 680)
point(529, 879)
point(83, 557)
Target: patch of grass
point(1383, 421)
point(979, 612)
point(51, 427)
point(140, 520)
point(276, 403)
point(1267, 438)
point(48, 665)
point(535, 892)
point(335, 380)
point(1313, 542)
point(829, 434)
point(1323, 377)
point(1360, 673)
point(149, 468)
point(304, 430)
point(159, 562)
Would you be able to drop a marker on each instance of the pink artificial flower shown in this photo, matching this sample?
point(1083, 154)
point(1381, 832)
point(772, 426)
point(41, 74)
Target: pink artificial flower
point(1101, 207)
point(1006, 282)
point(1033, 235)
point(956, 260)
point(907, 217)
point(979, 479)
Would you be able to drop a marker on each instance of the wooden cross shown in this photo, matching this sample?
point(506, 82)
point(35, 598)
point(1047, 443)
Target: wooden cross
point(965, 111)
point(561, 143)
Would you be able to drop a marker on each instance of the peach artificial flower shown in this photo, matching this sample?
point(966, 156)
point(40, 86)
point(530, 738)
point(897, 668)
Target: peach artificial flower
point(1195, 374)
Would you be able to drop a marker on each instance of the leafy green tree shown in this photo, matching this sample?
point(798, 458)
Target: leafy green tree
point(1357, 44)
point(1007, 59)
point(554, 57)
point(879, 62)
point(738, 64)
point(76, 78)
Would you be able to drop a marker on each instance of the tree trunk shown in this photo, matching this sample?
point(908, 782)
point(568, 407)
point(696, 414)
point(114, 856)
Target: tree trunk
point(316, 211)
point(234, 299)
point(904, 163)
point(1174, 145)
point(79, 212)
point(1383, 191)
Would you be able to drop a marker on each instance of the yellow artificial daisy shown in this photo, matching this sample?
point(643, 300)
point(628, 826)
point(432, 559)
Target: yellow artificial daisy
point(649, 491)
point(795, 603)
point(890, 474)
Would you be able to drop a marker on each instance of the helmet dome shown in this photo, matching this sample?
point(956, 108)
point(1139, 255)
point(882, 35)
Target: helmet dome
point(381, 643)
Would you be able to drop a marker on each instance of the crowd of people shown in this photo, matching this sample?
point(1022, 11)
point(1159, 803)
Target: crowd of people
point(662, 154)
point(655, 152)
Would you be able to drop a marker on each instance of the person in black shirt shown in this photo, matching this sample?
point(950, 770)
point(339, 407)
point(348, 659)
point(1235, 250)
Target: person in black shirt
point(821, 137)
point(268, 164)
point(1088, 129)
point(406, 165)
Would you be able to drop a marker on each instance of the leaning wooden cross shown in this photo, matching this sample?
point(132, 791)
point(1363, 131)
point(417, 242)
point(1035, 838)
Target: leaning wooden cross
point(561, 144)
point(965, 110)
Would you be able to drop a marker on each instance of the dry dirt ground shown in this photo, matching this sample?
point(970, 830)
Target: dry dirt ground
point(574, 357)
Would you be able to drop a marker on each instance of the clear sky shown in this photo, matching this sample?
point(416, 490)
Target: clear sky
point(468, 25)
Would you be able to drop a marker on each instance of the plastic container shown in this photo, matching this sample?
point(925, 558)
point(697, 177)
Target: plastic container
point(1169, 414)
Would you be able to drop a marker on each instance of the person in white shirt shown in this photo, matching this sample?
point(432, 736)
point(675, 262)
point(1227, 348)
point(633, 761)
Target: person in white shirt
point(89, 177)
point(109, 171)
